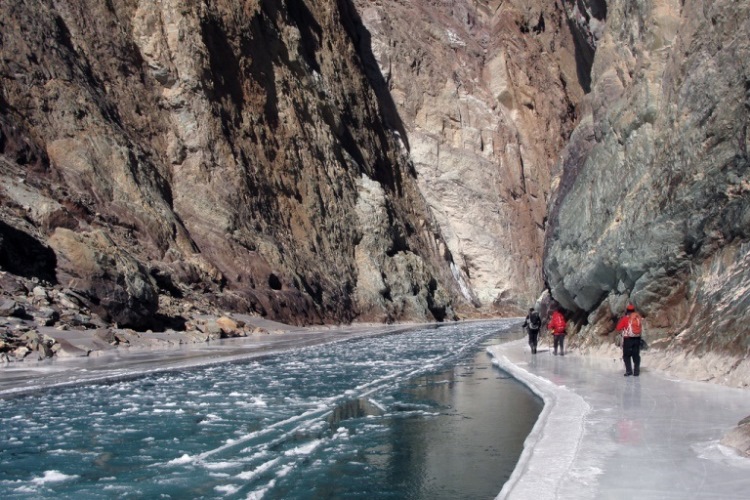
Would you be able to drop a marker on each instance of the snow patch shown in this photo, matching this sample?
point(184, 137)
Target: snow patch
point(52, 476)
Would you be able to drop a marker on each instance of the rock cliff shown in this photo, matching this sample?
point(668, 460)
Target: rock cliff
point(158, 155)
point(653, 204)
point(380, 160)
point(486, 94)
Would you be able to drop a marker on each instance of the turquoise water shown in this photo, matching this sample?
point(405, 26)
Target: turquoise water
point(416, 415)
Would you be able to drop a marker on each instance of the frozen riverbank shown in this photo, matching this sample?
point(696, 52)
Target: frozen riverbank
point(604, 436)
point(88, 360)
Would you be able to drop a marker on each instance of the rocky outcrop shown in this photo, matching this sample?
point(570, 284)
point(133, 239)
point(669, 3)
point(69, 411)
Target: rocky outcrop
point(39, 322)
point(653, 205)
point(739, 437)
point(484, 96)
point(229, 153)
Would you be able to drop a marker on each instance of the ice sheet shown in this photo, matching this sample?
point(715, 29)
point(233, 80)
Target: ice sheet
point(122, 363)
point(605, 436)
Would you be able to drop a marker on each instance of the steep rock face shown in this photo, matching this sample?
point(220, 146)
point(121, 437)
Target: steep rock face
point(484, 96)
point(233, 151)
point(654, 200)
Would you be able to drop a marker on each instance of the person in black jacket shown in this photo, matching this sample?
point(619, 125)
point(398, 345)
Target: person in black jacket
point(533, 323)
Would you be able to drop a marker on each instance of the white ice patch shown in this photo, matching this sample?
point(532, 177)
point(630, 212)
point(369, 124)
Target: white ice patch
point(304, 449)
point(25, 489)
point(184, 459)
point(68, 452)
point(260, 493)
point(715, 451)
point(252, 474)
point(114, 487)
point(341, 432)
point(377, 405)
point(52, 476)
point(221, 465)
point(227, 489)
point(210, 418)
point(284, 471)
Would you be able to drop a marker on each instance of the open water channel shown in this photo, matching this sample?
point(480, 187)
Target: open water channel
point(420, 414)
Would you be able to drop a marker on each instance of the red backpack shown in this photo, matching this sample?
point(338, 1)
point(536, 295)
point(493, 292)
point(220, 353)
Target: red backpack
point(636, 323)
point(558, 322)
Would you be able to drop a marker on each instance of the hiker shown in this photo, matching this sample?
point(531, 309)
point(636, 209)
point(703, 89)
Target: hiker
point(557, 326)
point(533, 323)
point(631, 327)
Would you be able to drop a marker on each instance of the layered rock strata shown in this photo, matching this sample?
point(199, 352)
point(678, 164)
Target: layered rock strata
point(486, 95)
point(653, 205)
point(229, 152)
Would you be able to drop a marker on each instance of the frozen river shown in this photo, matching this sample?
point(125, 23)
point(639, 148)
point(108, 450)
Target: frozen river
point(602, 436)
point(419, 414)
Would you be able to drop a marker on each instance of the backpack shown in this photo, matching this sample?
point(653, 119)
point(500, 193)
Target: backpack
point(535, 322)
point(557, 324)
point(635, 326)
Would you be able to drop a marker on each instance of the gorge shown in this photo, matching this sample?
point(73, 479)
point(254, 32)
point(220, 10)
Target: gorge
point(330, 161)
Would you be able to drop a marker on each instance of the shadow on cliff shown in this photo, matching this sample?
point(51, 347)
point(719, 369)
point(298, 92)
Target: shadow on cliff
point(23, 255)
point(584, 41)
point(362, 41)
point(385, 172)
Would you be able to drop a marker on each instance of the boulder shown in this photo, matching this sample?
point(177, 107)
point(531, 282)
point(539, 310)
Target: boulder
point(9, 307)
point(739, 437)
point(21, 352)
point(46, 316)
point(227, 325)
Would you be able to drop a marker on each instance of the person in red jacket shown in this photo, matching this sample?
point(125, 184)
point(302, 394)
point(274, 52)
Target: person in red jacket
point(556, 325)
point(631, 327)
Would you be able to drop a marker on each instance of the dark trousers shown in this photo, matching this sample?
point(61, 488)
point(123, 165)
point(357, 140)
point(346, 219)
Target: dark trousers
point(559, 340)
point(631, 349)
point(533, 339)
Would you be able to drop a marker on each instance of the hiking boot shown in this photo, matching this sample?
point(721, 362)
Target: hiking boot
point(627, 374)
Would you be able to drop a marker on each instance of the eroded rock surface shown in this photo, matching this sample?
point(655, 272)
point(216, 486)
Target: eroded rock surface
point(485, 95)
point(653, 205)
point(225, 151)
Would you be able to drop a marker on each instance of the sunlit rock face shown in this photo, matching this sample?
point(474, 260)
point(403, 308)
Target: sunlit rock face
point(486, 95)
point(228, 152)
point(653, 205)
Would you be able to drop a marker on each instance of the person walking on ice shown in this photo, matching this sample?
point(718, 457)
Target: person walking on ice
point(533, 323)
point(557, 326)
point(631, 326)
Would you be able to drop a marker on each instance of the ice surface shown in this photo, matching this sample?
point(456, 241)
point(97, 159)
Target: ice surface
point(605, 436)
point(353, 418)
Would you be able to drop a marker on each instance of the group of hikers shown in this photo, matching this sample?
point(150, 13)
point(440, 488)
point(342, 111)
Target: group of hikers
point(631, 326)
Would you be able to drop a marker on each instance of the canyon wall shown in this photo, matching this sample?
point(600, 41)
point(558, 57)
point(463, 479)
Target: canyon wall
point(653, 204)
point(335, 160)
point(486, 94)
point(163, 155)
